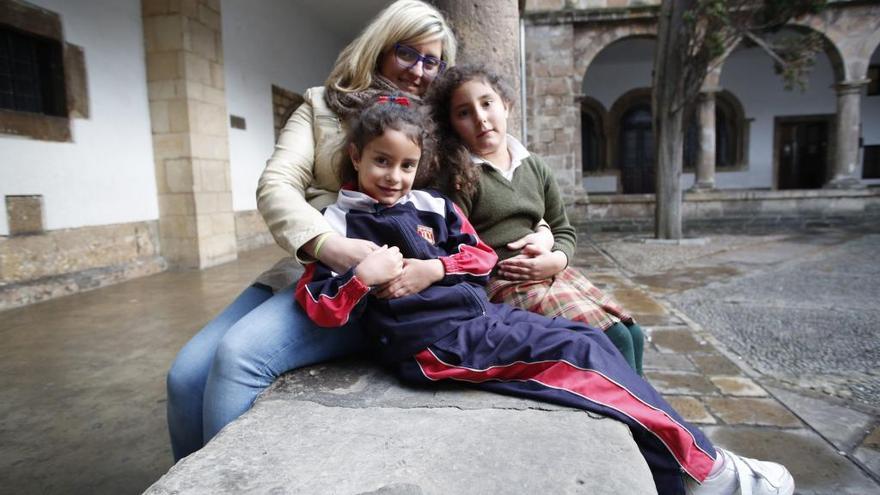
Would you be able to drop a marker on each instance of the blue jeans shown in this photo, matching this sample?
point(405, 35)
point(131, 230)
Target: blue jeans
point(218, 374)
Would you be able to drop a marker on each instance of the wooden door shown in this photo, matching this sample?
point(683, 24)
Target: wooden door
point(803, 154)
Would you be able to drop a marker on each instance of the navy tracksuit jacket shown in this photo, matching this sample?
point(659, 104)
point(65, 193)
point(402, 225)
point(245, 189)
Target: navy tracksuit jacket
point(451, 331)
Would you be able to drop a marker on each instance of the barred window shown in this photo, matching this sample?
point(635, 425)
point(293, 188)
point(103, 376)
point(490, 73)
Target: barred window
point(31, 73)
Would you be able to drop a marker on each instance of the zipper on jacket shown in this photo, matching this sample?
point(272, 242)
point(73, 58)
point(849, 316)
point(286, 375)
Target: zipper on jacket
point(475, 296)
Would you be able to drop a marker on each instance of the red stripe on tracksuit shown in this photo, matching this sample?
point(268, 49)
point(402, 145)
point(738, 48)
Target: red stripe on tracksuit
point(590, 385)
point(329, 310)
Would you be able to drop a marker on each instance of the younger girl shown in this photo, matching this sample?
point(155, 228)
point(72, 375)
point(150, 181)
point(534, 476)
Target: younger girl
point(448, 329)
point(506, 192)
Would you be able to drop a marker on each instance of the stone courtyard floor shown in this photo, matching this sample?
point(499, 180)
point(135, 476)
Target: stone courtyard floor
point(766, 340)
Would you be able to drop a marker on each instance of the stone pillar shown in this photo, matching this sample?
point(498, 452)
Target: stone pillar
point(488, 33)
point(183, 44)
point(705, 176)
point(554, 112)
point(848, 120)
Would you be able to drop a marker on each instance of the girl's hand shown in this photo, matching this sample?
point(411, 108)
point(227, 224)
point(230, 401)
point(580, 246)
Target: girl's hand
point(535, 263)
point(542, 238)
point(417, 276)
point(380, 266)
point(341, 253)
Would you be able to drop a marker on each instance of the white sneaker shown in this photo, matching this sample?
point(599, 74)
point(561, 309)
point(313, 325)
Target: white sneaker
point(744, 476)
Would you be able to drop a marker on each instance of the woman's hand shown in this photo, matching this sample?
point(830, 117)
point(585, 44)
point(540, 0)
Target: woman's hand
point(380, 266)
point(417, 275)
point(341, 253)
point(542, 237)
point(535, 263)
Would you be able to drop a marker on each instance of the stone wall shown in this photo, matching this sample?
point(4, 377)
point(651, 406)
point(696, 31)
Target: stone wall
point(35, 268)
point(251, 231)
point(635, 212)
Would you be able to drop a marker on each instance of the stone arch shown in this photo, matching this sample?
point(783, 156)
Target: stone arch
point(831, 37)
point(613, 121)
point(589, 43)
point(855, 33)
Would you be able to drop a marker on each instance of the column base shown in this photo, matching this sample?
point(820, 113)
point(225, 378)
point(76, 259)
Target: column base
point(703, 187)
point(845, 182)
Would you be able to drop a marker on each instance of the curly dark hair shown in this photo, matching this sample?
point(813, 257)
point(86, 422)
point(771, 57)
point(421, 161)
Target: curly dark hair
point(397, 112)
point(456, 174)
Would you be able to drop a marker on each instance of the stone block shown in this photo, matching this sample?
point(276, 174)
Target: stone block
point(207, 147)
point(213, 95)
point(842, 426)
point(188, 8)
point(223, 223)
point(691, 409)
point(213, 202)
point(218, 77)
point(164, 66)
point(214, 175)
point(160, 122)
point(680, 382)
point(748, 411)
point(176, 204)
point(816, 467)
point(207, 118)
point(171, 146)
point(375, 432)
point(154, 7)
point(201, 40)
point(24, 214)
point(179, 175)
point(196, 68)
point(715, 364)
point(738, 386)
point(677, 340)
point(217, 249)
point(163, 90)
point(210, 17)
point(163, 33)
point(638, 301)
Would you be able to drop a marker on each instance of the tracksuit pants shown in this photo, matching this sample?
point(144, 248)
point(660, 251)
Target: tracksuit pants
point(515, 352)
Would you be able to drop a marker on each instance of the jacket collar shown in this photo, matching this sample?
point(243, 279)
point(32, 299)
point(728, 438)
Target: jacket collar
point(350, 199)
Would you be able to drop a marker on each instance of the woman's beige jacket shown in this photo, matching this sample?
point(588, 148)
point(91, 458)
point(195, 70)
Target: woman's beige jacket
point(301, 176)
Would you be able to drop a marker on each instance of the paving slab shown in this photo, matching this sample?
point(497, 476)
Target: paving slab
point(691, 409)
point(817, 468)
point(749, 411)
point(842, 426)
point(715, 364)
point(352, 428)
point(738, 386)
point(680, 382)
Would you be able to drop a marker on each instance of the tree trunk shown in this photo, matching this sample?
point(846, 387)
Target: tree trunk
point(668, 98)
point(488, 33)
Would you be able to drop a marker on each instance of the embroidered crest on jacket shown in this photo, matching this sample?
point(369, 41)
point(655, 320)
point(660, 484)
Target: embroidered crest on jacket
point(427, 233)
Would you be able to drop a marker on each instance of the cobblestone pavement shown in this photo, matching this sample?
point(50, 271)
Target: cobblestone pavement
point(739, 330)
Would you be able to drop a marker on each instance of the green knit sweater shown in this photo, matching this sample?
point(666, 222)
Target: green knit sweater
point(503, 211)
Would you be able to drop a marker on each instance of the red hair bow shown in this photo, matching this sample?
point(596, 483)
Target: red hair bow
point(400, 100)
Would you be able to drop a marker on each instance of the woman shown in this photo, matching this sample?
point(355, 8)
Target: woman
point(217, 375)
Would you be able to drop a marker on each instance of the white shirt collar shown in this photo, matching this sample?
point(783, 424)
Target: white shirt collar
point(518, 153)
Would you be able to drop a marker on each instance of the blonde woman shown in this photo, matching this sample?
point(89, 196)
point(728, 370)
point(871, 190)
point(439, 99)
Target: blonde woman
point(264, 333)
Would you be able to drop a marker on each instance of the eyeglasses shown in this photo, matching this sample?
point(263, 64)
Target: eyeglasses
point(407, 57)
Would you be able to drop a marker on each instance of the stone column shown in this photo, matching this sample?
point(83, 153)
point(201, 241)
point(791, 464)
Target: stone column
point(848, 120)
point(705, 176)
point(488, 33)
point(183, 44)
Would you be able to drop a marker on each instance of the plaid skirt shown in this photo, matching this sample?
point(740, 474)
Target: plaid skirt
point(568, 294)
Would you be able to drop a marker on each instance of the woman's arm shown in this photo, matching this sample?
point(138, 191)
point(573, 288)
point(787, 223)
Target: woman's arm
point(294, 223)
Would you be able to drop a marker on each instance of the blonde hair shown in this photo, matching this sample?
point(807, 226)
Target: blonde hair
point(404, 21)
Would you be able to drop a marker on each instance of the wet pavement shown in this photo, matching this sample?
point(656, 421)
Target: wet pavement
point(766, 341)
